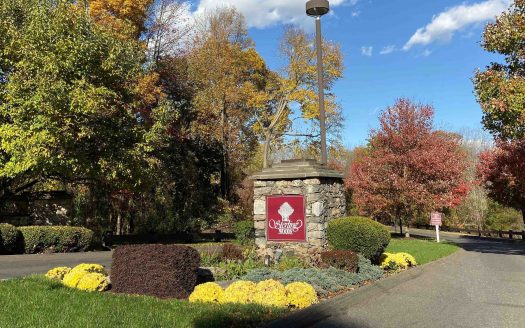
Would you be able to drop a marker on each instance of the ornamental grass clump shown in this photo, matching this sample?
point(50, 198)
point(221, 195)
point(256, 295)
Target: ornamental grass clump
point(58, 273)
point(301, 295)
point(241, 292)
point(209, 292)
point(341, 259)
point(231, 252)
point(271, 293)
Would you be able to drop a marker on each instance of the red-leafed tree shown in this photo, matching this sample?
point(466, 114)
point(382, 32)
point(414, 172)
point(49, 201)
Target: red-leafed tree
point(502, 169)
point(408, 168)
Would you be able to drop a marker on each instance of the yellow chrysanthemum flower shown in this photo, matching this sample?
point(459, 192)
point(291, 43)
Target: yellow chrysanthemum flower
point(301, 294)
point(72, 278)
point(209, 292)
point(395, 261)
point(58, 273)
point(240, 292)
point(271, 293)
point(93, 282)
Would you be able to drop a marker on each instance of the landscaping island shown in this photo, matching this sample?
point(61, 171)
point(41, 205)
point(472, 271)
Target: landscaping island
point(37, 301)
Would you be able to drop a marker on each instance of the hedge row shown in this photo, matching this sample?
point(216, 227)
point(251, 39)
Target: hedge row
point(9, 236)
point(38, 239)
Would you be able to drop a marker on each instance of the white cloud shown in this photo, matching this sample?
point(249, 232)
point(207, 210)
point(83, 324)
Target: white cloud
point(444, 25)
point(264, 13)
point(387, 50)
point(426, 53)
point(367, 51)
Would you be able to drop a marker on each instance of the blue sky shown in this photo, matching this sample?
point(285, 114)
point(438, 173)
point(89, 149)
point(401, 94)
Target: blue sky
point(386, 57)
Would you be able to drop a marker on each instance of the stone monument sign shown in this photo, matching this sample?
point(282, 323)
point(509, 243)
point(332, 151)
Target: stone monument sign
point(293, 203)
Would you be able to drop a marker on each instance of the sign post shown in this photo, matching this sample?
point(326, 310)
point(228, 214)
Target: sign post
point(435, 220)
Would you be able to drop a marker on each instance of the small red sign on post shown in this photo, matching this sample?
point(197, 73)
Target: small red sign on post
point(435, 219)
point(285, 218)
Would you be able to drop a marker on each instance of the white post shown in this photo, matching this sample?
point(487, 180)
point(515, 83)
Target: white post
point(437, 233)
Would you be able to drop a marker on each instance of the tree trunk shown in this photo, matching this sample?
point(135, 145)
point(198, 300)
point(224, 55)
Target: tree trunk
point(224, 165)
point(119, 223)
point(266, 151)
point(407, 232)
point(523, 216)
point(401, 226)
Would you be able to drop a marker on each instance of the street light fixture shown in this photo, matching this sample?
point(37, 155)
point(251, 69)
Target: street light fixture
point(318, 8)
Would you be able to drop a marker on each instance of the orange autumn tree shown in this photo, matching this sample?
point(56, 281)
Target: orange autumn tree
point(408, 168)
point(502, 170)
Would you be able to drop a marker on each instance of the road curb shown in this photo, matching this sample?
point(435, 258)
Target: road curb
point(341, 304)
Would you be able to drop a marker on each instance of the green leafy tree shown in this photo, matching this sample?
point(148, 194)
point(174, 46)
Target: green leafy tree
point(67, 97)
point(500, 89)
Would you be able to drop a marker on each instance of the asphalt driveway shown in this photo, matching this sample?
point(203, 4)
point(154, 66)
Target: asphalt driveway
point(12, 266)
point(482, 285)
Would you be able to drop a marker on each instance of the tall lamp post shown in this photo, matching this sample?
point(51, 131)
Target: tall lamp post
point(318, 8)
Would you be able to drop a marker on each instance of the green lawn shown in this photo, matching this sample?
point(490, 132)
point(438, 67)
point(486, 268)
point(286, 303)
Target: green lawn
point(423, 250)
point(41, 303)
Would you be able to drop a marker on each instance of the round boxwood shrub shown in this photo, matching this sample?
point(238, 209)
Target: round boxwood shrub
point(359, 234)
point(244, 232)
point(9, 239)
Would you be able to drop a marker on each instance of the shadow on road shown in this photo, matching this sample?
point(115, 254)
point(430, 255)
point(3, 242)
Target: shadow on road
point(480, 244)
point(477, 244)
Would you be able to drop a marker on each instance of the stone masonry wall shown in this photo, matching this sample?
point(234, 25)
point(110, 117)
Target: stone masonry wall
point(324, 198)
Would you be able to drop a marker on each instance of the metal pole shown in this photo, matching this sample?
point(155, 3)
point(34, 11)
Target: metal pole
point(320, 77)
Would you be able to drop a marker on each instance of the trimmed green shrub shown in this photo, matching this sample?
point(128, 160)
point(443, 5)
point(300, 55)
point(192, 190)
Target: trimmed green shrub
point(324, 281)
point(341, 259)
point(57, 239)
point(359, 234)
point(164, 271)
point(9, 239)
point(244, 232)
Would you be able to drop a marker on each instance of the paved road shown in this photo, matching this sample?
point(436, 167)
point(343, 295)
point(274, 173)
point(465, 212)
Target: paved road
point(482, 285)
point(12, 266)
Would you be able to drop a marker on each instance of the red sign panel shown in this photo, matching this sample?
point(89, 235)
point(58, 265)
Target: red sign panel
point(285, 218)
point(435, 218)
